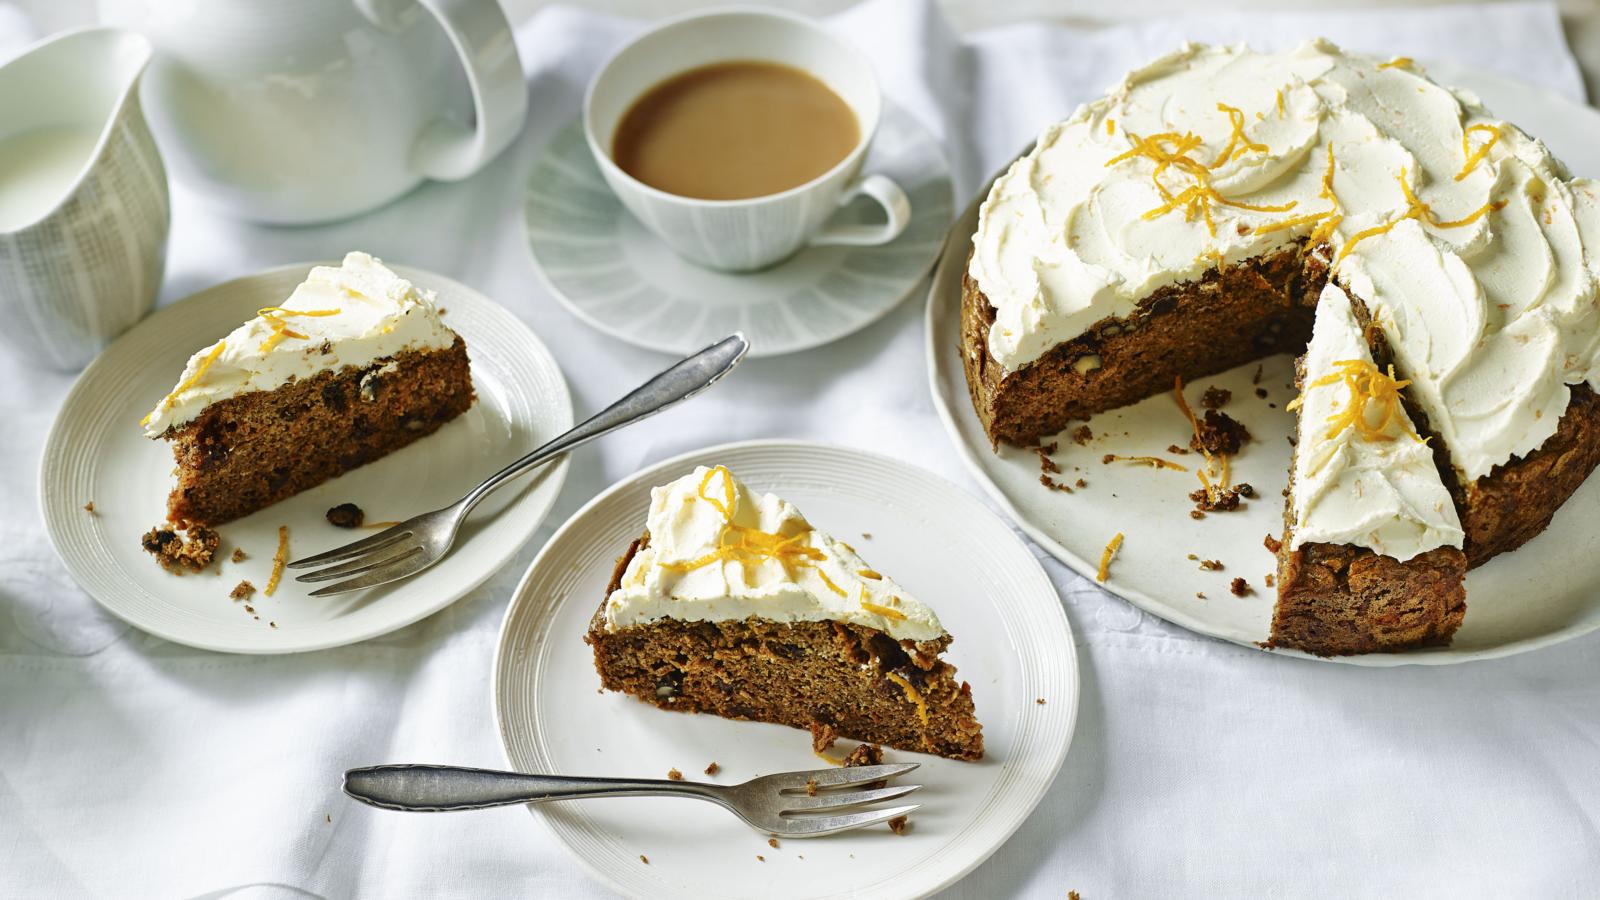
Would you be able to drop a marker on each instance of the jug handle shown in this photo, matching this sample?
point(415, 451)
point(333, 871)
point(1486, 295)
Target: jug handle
point(483, 40)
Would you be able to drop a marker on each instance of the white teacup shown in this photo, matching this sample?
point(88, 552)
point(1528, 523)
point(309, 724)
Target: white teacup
point(740, 235)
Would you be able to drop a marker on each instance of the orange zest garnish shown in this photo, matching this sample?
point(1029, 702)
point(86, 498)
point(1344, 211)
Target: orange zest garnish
point(829, 582)
point(830, 760)
point(1280, 103)
point(279, 559)
point(911, 694)
point(1470, 157)
point(1399, 62)
point(1328, 218)
point(869, 574)
point(1112, 547)
point(275, 316)
point(191, 381)
point(1415, 209)
point(1238, 139)
point(1154, 462)
point(888, 612)
point(1371, 392)
point(1111, 126)
point(1170, 150)
point(1220, 463)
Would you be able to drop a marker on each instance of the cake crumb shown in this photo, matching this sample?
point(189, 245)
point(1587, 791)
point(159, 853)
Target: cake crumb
point(1221, 499)
point(1181, 451)
point(900, 824)
point(239, 555)
point(760, 857)
point(244, 590)
point(1219, 433)
point(1211, 565)
point(822, 736)
point(1039, 700)
point(1215, 397)
point(1272, 544)
point(327, 817)
point(811, 787)
point(864, 755)
point(866, 535)
point(1196, 514)
point(273, 624)
point(1256, 378)
point(1081, 484)
point(1054, 485)
point(1240, 587)
point(1073, 895)
point(89, 508)
point(772, 842)
point(1199, 595)
point(644, 859)
point(346, 515)
point(1270, 579)
point(1262, 393)
point(1082, 435)
point(674, 775)
point(713, 769)
point(249, 609)
point(176, 553)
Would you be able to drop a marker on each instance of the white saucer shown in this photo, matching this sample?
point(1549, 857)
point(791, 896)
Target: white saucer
point(615, 275)
point(1546, 592)
point(96, 452)
point(1012, 643)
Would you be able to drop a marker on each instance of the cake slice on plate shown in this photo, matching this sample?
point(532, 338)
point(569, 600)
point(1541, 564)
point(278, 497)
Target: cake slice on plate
point(1371, 558)
point(354, 365)
point(732, 604)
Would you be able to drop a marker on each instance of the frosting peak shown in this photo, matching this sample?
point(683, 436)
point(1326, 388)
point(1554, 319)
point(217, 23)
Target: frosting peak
point(719, 551)
point(350, 315)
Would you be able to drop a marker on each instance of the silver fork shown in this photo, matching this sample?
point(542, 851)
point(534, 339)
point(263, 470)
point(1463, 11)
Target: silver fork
point(409, 547)
point(778, 804)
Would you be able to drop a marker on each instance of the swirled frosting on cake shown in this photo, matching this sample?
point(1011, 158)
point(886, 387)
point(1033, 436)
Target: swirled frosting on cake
point(1474, 251)
point(719, 551)
point(1362, 475)
point(350, 315)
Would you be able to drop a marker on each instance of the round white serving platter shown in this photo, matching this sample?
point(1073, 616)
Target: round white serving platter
point(96, 452)
point(1012, 643)
point(1546, 592)
point(612, 273)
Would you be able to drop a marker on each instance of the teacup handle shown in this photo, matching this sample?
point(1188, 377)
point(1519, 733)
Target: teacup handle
point(447, 151)
point(896, 208)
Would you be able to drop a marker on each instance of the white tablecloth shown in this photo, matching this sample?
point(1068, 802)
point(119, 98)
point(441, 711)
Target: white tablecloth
point(130, 766)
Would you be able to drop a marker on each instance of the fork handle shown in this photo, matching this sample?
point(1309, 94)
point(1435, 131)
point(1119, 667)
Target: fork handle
point(428, 788)
point(683, 380)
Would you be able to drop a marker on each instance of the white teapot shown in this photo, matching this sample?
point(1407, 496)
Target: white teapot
point(296, 111)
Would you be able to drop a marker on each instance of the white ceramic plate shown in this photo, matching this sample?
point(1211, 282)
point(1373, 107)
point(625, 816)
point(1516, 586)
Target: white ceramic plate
point(1546, 592)
point(1012, 643)
point(615, 275)
point(96, 452)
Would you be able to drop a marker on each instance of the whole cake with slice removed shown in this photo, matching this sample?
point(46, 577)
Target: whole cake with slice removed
point(354, 365)
point(730, 603)
point(1192, 219)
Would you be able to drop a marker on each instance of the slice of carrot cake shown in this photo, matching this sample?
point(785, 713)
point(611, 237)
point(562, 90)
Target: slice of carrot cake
point(353, 365)
point(1371, 559)
point(732, 604)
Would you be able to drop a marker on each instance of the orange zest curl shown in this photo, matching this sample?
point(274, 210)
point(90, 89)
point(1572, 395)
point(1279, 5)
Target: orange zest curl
point(1329, 219)
point(1399, 62)
point(1154, 462)
point(1415, 209)
point(1238, 142)
point(1219, 461)
point(888, 612)
point(1373, 394)
point(279, 559)
point(1470, 157)
point(1170, 150)
point(911, 694)
point(191, 381)
point(1112, 547)
point(275, 316)
point(751, 546)
point(1280, 103)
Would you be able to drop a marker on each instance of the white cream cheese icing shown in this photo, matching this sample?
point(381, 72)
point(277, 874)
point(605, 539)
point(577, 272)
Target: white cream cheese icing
point(719, 551)
point(1464, 237)
point(351, 315)
point(1374, 486)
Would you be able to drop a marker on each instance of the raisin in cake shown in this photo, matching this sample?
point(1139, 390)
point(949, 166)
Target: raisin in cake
point(732, 604)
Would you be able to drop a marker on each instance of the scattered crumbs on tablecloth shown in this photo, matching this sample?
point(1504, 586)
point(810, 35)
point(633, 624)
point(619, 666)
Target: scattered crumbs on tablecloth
point(674, 775)
point(713, 769)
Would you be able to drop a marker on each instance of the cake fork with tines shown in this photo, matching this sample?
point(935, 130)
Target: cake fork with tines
point(788, 804)
point(407, 548)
